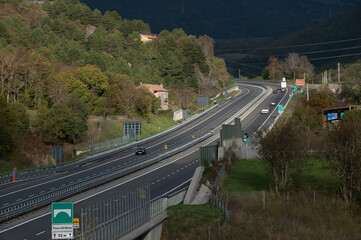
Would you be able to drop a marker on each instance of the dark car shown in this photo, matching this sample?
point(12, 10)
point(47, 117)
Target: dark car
point(246, 135)
point(275, 92)
point(140, 151)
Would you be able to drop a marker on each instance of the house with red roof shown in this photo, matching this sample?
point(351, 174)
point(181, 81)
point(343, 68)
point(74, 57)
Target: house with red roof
point(147, 38)
point(159, 92)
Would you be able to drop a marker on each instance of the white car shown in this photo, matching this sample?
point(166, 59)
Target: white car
point(273, 104)
point(265, 110)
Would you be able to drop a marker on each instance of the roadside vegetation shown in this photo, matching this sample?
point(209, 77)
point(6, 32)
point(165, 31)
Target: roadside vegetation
point(306, 185)
point(62, 64)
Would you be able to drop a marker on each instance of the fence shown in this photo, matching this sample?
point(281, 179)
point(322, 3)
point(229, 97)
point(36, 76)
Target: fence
point(40, 171)
point(117, 216)
point(18, 208)
point(113, 143)
point(88, 143)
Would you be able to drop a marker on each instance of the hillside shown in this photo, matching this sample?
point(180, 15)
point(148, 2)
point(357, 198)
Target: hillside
point(62, 61)
point(227, 19)
point(320, 42)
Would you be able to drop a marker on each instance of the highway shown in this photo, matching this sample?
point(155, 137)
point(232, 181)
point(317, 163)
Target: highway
point(163, 177)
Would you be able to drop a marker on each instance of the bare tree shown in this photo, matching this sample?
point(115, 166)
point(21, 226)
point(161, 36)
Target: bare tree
point(280, 149)
point(291, 63)
point(343, 150)
point(11, 78)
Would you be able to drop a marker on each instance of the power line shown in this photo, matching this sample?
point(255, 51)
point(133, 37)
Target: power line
point(243, 71)
point(345, 55)
point(299, 45)
point(320, 58)
point(312, 52)
point(331, 50)
point(243, 64)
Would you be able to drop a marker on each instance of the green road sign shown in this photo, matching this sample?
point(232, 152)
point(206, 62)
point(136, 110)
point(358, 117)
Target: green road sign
point(245, 139)
point(295, 88)
point(280, 108)
point(62, 213)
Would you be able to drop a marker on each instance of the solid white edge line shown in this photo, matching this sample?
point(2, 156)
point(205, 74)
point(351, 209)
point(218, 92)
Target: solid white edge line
point(102, 191)
point(107, 162)
point(5, 230)
point(272, 112)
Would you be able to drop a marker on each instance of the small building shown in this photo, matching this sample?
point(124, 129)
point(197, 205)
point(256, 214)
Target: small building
point(334, 114)
point(90, 30)
point(147, 38)
point(159, 92)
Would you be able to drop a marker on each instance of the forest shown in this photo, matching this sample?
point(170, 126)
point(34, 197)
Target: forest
point(55, 73)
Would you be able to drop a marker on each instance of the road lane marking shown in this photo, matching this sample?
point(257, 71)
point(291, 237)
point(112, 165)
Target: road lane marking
point(100, 192)
point(40, 233)
point(67, 176)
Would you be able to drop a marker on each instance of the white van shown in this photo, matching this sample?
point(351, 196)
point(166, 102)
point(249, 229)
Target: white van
point(265, 110)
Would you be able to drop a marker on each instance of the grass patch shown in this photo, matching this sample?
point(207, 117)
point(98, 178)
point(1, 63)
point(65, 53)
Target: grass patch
point(6, 166)
point(247, 175)
point(298, 218)
point(111, 129)
point(156, 124)
point(295, 100)
point(250, 175)
point(191, 221)
point(318, 176)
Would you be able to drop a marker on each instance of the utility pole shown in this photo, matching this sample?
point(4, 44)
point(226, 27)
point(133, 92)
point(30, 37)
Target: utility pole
point(338, 71)
point(308, 97)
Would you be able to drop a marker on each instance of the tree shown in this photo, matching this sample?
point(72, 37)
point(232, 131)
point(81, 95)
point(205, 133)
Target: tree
point(351, 92)
point(14, 122)
point(36, 73)
point(280, 148)
point(343, 150)
point(96, 83)
point(319, 100)
point(295, 65)
point(143, 102)
point(10, 74)
point(62, 122)
point(207, 45)
point(7, 121)
point(291, 64)
point(274, 68)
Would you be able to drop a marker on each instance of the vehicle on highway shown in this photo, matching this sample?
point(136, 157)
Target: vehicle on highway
point(275, 92)
point(273, 104)
point(265, 110)
point(246, 135)
point(140, 151)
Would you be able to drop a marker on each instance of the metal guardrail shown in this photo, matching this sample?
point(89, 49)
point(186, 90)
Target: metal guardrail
point(99, 224)
point(41, 200)
point(40, 171)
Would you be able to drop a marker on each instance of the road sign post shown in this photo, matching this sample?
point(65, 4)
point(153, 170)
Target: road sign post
point(76, 223)
point(62, 220)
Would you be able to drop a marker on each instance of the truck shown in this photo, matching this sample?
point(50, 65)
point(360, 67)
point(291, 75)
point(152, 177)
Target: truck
point(283, 85)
